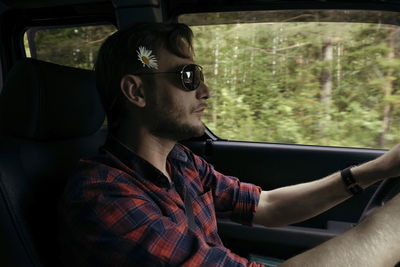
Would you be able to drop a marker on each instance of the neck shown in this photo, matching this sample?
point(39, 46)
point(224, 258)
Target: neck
point(149, 147)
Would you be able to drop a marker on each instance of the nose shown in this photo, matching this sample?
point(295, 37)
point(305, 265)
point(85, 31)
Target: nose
point(203, 91)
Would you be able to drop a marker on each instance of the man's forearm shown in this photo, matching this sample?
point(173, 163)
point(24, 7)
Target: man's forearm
point(374, 242)
point(291, 204)
point(296, 203)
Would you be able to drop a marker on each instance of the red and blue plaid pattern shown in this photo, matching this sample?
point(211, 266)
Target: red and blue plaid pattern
point(119, 210)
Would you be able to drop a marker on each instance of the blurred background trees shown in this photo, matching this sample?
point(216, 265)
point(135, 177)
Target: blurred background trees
point(333, 84)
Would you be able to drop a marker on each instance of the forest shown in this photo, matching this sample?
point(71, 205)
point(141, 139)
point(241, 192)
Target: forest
point(297, 82)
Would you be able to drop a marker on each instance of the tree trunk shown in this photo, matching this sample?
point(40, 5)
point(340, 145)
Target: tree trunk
point(326, 86)
point(216, 66)
point(235, 60)
point(338, 65)
point(387, 109)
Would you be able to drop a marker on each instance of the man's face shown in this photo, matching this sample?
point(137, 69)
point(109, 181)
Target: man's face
point(171, 111)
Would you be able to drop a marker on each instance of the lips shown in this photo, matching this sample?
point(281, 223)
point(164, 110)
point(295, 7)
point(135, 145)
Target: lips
point(200, 108)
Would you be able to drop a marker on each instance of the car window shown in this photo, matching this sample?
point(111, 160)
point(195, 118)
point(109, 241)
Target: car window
point(75, 46)
point(301, 77)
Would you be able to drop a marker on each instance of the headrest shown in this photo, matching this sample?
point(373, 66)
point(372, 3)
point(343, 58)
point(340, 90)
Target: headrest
point(45, 101)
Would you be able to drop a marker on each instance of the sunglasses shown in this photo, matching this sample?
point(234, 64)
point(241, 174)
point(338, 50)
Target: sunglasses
point(191, 76)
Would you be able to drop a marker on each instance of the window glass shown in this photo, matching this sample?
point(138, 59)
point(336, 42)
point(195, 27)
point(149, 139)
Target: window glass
point(301, 77)
point(69, 46)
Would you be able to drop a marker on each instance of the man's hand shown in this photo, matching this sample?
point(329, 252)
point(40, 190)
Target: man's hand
point(389, 163)
point(385, 166)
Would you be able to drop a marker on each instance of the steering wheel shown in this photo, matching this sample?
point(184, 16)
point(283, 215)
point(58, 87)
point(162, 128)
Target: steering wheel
point(385, 192)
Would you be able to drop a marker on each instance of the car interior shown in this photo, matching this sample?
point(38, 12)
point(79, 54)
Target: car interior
point(51, 116)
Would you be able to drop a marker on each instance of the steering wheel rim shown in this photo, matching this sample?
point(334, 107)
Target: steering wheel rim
point(385, 191)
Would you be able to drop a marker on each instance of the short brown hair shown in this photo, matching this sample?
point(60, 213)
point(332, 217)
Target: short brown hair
point(118, 57)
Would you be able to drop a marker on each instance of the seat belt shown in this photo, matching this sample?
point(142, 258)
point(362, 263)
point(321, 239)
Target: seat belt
point(189, 210)
point(187, 202)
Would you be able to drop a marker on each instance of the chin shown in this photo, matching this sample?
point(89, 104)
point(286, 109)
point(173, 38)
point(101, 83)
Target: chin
point(191, 131)
point(199, 129)
point(175, 130)
point(199, 133)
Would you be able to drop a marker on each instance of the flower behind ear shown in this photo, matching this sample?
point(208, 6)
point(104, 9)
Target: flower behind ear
point(147, 58)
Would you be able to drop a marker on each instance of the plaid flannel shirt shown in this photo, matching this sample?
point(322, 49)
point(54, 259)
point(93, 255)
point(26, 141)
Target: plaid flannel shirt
point(119, 210)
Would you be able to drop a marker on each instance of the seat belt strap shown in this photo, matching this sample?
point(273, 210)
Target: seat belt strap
point(189, 210)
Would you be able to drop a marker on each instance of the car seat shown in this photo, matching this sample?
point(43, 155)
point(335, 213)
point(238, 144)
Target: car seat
point(50, 116)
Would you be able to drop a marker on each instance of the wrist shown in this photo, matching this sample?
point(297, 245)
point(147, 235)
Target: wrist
point(368, 173)
point(351, 184)
point(388, 165)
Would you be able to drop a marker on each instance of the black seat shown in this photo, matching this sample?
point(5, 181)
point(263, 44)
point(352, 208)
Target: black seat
point(50, 116)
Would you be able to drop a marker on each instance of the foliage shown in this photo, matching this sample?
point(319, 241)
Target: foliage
point(268, 83)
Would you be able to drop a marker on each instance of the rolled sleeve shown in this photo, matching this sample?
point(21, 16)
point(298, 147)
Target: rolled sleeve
point(245, 205)
point(233, 199)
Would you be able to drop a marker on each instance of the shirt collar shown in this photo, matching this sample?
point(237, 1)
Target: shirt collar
point(139, 165)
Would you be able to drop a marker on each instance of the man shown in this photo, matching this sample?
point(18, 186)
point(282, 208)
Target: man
point(148, 201)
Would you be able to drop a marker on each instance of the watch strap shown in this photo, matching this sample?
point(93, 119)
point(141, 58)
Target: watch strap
point(351, 184)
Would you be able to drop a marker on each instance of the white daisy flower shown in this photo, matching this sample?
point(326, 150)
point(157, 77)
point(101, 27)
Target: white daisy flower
point(147, 58)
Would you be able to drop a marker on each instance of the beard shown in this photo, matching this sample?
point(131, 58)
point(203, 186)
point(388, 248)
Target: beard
point(166, 122)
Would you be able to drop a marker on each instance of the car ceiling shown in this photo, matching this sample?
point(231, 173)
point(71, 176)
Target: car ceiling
point(174, 7)
point(25, 4)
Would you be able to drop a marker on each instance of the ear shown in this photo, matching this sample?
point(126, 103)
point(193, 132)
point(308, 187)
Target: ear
point(132, 88)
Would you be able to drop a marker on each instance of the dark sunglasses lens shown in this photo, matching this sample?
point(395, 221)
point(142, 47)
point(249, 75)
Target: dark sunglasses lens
point(192, 76)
